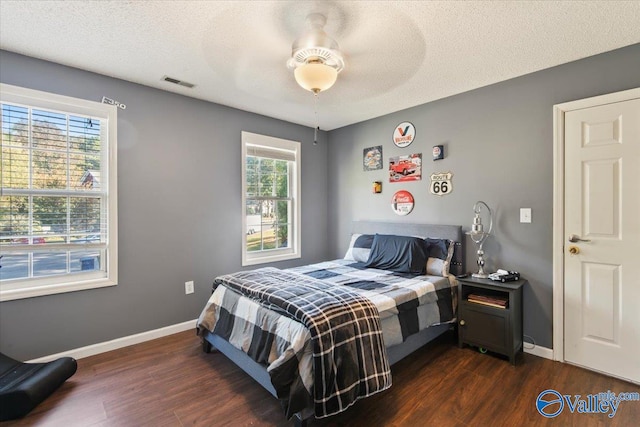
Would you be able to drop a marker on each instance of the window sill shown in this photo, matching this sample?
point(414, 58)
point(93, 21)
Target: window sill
point(264, 259)
point(37, 290)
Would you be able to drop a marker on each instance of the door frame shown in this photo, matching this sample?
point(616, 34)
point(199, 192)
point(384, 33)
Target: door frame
point(559, 111)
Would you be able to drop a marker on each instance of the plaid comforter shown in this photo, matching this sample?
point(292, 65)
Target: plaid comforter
point(270, 334)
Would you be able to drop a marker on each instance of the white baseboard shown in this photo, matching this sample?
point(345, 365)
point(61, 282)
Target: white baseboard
point(103, 347)
point(547, 353)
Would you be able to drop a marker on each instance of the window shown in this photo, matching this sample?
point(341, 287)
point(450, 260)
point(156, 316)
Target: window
point(271, 199)
point(58, 213)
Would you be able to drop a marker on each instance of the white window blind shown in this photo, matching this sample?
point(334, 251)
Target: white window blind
point(271, 152)
point(58, 194)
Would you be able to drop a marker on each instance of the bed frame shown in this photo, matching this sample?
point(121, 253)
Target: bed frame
point(396, 353)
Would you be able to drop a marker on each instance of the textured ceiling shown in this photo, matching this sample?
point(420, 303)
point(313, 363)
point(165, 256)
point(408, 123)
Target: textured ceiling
point(398, 53)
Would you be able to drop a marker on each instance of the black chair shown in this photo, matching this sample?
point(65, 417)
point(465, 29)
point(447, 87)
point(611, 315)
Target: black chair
point(24, 385)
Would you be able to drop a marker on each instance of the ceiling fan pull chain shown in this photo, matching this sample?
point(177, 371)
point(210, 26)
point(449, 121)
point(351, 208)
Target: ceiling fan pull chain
point(317, 127)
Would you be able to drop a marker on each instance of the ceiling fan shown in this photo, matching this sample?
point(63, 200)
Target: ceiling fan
point(316, 57)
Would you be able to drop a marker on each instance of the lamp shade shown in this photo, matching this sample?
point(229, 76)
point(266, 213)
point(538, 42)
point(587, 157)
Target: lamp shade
point(315, 77)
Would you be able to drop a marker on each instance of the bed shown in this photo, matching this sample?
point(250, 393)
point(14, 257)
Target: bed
point(274, 324)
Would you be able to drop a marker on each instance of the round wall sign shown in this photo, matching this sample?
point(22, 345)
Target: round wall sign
point(402, 202)
point(404, 134)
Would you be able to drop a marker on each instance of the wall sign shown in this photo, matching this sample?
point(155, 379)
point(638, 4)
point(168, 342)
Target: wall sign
point(402, 202)
point(438, 152)
point(405, 168)
point(404, 134)
point(441, 184)
point(372, 158)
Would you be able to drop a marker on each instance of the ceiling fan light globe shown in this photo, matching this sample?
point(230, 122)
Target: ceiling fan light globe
point(315, 77)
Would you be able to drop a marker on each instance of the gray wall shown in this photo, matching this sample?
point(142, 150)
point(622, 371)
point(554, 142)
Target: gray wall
point(499, 146)
point(179, 211)
point(179, 191)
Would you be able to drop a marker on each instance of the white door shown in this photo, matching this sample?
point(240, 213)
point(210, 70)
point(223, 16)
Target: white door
point(602, 206)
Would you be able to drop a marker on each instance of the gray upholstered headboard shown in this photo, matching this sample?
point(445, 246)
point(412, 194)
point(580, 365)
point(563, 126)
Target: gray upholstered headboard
point(451, 232)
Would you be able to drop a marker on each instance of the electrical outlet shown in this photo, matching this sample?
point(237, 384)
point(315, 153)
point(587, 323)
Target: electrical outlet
point(188, 287)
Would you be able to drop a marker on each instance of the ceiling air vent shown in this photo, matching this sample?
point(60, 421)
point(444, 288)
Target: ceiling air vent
point(178, 82)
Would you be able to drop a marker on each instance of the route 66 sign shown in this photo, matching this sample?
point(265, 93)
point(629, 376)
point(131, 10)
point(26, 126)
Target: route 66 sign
point(441, 183)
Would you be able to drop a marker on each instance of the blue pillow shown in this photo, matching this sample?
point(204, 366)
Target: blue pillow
point(402, 254)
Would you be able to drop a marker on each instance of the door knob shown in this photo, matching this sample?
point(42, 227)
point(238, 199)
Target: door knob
point(462, 323)
point(573, 238)
point(574, 250)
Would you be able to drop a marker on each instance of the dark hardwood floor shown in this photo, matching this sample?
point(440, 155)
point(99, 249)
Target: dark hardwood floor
point(171, 382)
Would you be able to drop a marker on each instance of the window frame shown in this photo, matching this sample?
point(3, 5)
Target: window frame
point(273, 255)
point(107, 114)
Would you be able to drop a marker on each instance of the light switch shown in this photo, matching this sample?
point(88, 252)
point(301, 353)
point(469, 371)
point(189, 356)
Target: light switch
point(525, 215)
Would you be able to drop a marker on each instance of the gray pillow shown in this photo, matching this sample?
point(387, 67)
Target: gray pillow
point(440, 252)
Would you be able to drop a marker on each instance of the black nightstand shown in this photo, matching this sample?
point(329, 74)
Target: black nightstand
point(493, 328)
